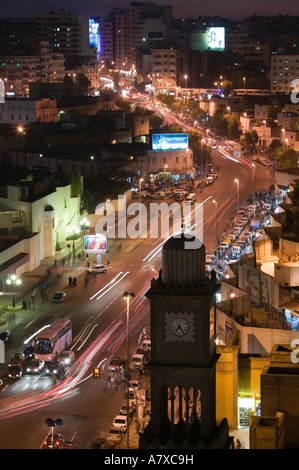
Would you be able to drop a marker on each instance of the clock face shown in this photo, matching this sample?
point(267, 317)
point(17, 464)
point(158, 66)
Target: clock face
point(179, 327)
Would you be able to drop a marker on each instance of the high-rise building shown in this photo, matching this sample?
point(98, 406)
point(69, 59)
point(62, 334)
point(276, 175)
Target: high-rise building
point(67, 33)
point(125, 30)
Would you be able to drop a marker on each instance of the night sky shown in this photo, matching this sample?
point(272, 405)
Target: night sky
point(234, 9)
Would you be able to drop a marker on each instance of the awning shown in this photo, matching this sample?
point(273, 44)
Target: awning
point(13, 263)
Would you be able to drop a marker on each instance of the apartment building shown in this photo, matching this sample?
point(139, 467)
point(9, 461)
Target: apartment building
point(163, 68)
point(67, 33)
point(23, 111)
point(284, 69)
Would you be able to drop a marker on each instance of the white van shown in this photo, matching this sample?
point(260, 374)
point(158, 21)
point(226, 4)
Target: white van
point(146, 343)
point(137, 361)
point(191, 198)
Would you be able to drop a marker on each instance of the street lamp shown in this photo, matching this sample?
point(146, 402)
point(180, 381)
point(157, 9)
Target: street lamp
point(244, 80)
point(186, 78)
point(73, 231)
point(84, 226)
point(13, 281)
point(253, 166)
point(140, 181)
point(216, 208)
point(127, 296)
point(238, 202)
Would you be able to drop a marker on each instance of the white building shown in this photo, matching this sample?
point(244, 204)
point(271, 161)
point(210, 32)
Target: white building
point(31, 226)
point(284, 69)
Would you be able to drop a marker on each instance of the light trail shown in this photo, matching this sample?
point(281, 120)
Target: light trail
point(103, 288)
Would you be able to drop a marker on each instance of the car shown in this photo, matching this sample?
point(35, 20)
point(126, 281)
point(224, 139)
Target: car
point(120, 422)
point(97, 268)
point(124, 409)
point(116, 364)
point(100, 443)
point(5, 336)
point(29, 352)
point(146, 343)
point(67, 357)
point(114, 435)
point(59, 297)
point(55, 368)
point(53, 442)
point(35, 366)
point(17, 360)
point(15, 372)
point(145, 352)
point(137, 361)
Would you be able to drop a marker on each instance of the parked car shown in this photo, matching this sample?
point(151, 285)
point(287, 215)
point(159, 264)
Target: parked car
point(97, 268)
point(146, 343)
point(67, 357)
point(137, 361)
point(5, 336)
point(15, 372)
point(100, 443)
point(114, 435)
point(120, 422)
point(145, 352)
point(124, 409)
point(17, 360)
point(35, 366)
point(59, 297)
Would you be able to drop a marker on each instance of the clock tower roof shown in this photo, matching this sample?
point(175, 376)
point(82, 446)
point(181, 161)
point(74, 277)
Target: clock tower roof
point(183, 261)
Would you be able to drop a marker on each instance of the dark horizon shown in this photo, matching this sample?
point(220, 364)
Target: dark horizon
point(230, 9)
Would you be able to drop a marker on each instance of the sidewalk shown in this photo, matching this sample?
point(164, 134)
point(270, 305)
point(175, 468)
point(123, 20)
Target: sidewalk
point(40, 284)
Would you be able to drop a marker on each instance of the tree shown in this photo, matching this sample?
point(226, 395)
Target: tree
point(227, 87)
point(233, 129)
point(155, 121)
point(84, 81)
point(285, 156)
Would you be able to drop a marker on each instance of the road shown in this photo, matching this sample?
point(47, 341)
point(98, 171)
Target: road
point(98, 312)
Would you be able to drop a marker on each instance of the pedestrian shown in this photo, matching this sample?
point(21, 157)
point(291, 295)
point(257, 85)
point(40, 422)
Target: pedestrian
point(70, 281)
point(28, 303)
point(238, 444)
point(74, 282)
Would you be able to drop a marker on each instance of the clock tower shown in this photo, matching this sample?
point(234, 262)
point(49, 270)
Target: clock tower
point(183, 351)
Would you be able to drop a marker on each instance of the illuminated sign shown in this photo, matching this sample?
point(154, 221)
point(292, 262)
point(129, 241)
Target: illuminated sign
point(170, 141)
point(95, 244)
point(94, 34)
point(215, 38)
point(210, 39)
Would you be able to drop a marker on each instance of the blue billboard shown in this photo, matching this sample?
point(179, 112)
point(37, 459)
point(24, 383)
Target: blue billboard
point(170, 141)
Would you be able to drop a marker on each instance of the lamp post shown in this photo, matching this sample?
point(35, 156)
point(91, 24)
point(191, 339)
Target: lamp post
point(73, 231)
point(216, 209)
point(253, 166)
point(127, 296)
point(244, 80)
point(84, 226)
point(13, 281)
point(238, 202)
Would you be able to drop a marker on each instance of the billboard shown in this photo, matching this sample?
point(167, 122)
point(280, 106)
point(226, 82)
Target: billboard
point(216, 38)
point(170, 141)
point(210, 39)
point(95, 244)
